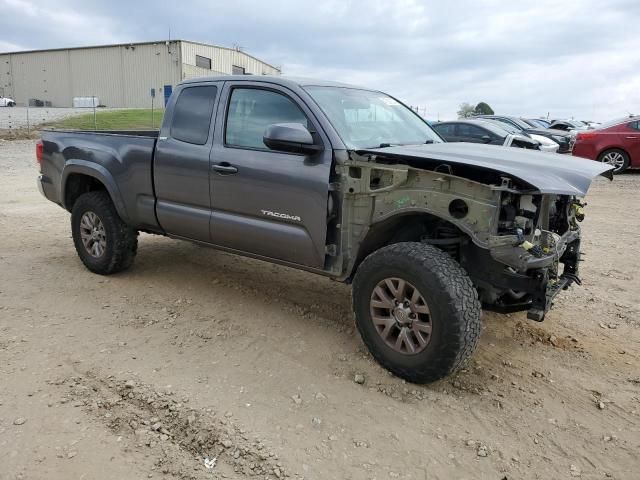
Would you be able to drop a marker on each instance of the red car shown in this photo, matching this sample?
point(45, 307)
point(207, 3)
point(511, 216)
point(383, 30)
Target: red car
point(616, 143)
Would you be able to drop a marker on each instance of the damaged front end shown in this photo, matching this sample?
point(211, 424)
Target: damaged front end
point(533, 255)
point(510, 218)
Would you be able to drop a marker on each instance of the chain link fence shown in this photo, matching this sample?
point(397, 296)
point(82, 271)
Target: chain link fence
point(21, 121)
point(25, 121)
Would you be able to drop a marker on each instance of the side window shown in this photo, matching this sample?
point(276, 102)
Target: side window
point(252, 110)
point(635, 125)
point(445, 129)
point(203, 62)
point(466, 130)
point(192, 114)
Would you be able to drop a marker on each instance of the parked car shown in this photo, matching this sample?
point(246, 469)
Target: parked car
point(568, 125)
point(545, 144)
point(343, 182)
point(616, 143)
point(7, 102)
point(563, 139)
point(479, 131)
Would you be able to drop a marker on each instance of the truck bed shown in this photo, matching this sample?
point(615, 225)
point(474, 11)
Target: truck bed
point(125, 165)
point(129, 133)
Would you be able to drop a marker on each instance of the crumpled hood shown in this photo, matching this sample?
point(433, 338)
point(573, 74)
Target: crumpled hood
point(547, 172)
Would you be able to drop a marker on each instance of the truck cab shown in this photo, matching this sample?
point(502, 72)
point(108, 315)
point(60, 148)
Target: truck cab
point(217, 181)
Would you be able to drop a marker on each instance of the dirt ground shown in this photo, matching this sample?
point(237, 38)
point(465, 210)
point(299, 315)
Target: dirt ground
point(196, 359)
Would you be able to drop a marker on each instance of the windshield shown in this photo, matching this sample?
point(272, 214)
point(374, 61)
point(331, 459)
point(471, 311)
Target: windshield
point(540, 123)
point(571, 123)
point(522, 124)
point(498, 129)
point(366, 119)
point(510, 128)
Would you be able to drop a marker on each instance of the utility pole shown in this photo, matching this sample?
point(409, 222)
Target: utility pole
point(95, 120)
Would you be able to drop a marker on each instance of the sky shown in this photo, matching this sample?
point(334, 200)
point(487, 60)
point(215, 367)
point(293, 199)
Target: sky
point(572, 59)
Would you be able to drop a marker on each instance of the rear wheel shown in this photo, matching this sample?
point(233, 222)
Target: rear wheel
point(617, 158)
point(417, 311)
point(104, 243)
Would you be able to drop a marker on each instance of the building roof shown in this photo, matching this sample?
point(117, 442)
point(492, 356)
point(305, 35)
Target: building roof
point(133, 44)
point(227, 48)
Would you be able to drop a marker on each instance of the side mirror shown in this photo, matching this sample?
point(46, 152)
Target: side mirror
point(486, 139)
point(290, 137)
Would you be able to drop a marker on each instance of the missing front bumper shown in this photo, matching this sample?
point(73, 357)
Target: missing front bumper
point(503, 289)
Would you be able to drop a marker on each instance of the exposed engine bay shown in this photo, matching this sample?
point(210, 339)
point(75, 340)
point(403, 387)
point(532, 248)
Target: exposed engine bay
point(545, 233)
point(518, 238)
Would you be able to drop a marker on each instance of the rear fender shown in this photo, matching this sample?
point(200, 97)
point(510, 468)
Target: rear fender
point(92, 169)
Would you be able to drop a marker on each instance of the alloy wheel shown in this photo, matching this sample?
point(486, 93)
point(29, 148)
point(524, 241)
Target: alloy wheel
point(93, 234)
point(401, 316)
point(615, 159)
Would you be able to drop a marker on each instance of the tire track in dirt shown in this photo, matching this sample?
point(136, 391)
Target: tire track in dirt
point(180, 438)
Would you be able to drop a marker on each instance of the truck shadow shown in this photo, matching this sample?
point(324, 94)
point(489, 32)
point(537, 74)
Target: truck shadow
point(206, 270)
point(201, 272)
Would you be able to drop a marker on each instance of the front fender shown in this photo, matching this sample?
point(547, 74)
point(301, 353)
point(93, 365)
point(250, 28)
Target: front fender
point(92, 169)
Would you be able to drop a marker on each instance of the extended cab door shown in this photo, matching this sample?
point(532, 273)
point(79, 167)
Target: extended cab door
point(265, 202)
point(181, 162)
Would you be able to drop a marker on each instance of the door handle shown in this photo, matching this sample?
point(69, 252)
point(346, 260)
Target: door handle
point(630, 138)
point(224, 168)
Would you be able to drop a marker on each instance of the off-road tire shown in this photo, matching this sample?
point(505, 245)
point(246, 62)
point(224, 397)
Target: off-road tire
point(451, 298)
point(121, 240)
point(616, 151)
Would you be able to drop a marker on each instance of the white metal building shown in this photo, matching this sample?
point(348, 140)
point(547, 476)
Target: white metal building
point(118, 75)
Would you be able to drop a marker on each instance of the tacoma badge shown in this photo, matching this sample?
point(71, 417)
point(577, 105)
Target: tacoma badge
point(285, 216)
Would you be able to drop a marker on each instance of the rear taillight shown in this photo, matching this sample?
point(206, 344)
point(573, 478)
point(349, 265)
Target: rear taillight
point(585, 135)
point(39, 150)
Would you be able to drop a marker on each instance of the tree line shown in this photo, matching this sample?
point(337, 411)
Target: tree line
point(467, 110)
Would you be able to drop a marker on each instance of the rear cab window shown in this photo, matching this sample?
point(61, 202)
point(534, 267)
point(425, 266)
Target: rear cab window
point(192, 114)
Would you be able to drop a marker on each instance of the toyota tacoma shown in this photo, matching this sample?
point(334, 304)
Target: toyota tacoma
point(343, 182)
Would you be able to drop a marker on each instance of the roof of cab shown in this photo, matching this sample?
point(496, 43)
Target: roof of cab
point(285, 81)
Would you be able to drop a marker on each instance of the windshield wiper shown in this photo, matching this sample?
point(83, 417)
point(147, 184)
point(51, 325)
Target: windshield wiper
point(387, 145)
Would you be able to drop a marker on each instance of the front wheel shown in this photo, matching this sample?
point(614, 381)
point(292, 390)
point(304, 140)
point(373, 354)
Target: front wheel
point(617, 158)
point(104, 243)
point(416, 310)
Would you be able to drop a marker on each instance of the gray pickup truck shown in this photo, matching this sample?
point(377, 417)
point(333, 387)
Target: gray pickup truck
point(344, 182)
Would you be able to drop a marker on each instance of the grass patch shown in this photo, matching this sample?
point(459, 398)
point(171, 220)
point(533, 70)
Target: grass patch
point(129, 119)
